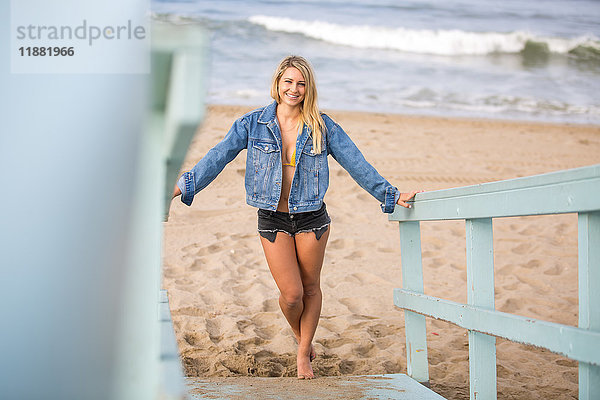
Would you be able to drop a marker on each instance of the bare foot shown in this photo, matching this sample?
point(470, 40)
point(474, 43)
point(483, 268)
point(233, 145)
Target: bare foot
point(305, 370)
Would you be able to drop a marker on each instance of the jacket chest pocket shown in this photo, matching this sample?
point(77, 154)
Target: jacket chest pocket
point(264, 155)
point(310, 166)
point(310, 161)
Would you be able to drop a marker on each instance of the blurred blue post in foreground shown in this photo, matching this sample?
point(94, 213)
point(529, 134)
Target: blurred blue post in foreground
point(86, 173)
point(571, 191)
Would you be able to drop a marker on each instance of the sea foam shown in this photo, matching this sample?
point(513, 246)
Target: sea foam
point(439, 42)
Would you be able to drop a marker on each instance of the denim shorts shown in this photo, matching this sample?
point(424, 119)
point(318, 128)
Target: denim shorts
point(271, 222)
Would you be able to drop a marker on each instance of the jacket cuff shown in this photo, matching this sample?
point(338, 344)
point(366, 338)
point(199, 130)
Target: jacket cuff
point(187, 186)
point(391, 197)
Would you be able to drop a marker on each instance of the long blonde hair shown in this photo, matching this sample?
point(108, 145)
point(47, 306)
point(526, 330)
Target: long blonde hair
point(309, 109)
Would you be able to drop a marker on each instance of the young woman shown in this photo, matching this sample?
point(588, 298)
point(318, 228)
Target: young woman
point(286, 178)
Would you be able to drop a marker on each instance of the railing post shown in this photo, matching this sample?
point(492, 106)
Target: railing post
point(480, 292)
point(412, 279)
point(589, 296)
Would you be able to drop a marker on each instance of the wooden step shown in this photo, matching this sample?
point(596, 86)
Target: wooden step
point(372, 387)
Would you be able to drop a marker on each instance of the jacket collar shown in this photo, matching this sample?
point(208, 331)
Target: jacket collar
point(268, 114)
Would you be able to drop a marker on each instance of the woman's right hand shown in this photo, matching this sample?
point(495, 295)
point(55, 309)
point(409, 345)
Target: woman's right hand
point(404, 198)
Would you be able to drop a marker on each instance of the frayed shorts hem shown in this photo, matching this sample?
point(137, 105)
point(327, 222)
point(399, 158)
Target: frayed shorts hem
point(271, 234)
point(271, 222)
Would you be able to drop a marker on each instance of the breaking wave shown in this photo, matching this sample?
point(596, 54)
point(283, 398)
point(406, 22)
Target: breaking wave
point(437, 42)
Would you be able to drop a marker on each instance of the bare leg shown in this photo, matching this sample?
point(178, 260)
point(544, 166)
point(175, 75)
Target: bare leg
point(310, 253)
point(282, 261)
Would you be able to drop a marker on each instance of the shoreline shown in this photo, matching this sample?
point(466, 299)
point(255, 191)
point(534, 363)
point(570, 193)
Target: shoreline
point(432, 116)
point(224, 301)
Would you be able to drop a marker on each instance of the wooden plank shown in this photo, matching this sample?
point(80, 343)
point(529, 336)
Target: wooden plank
point(480, 293)
point(412, 279)
point(562, 192)
point(575, 343)
point(480, 263)
point(178, 92)
point(551, 178)
point(589, 297)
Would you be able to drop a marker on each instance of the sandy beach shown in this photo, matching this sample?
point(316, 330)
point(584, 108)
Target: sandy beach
point(224, 301)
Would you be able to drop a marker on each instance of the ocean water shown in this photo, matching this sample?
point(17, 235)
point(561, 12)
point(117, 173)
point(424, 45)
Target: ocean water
point(525, 60)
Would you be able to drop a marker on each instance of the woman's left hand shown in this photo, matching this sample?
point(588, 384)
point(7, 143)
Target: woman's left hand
point(405, 197)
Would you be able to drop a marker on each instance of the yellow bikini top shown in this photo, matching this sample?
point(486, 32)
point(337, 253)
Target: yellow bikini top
point(292, 162)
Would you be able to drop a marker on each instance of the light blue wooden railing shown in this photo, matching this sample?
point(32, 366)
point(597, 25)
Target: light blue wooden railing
point(148, 364)
point(571, 191)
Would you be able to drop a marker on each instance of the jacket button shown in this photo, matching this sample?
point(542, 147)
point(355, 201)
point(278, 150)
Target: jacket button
point(295, 208)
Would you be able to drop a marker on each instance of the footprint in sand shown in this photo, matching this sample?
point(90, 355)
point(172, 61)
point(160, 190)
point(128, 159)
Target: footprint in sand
point(427, 254)
point(357, 307)
point(366, 350)
point(458, 267)
point(334, 343)
point(511, 285)
point(528, 231)
point(365, 278)
point(533, 282)
point(566, 362)
point(521, 249)
point(555, 270)
point(351, 304)
point(245, 345)
point(436, 263)
point(184, 281)
point(196, 250)
point(339, 244)
point(386, 250)
point(268, 332)
point(358, 254)
point(189, 312)
point(561, 229)
point(239, 288)
point(380, 331)
point(239, 236)
point(457, 232)
point(532, 264)
point(198, 265)
point(215, 272)
point(214, 331)
point(510, 306)
point(193, 339)
point(243, 324)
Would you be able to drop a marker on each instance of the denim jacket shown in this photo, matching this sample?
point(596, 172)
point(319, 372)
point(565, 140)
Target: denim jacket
point(259, 133)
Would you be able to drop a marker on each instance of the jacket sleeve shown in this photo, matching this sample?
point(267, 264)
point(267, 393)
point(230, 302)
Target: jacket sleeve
point(347, 154)
point(207, 169)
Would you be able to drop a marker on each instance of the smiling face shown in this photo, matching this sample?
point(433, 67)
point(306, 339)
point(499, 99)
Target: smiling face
point(292, 87)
